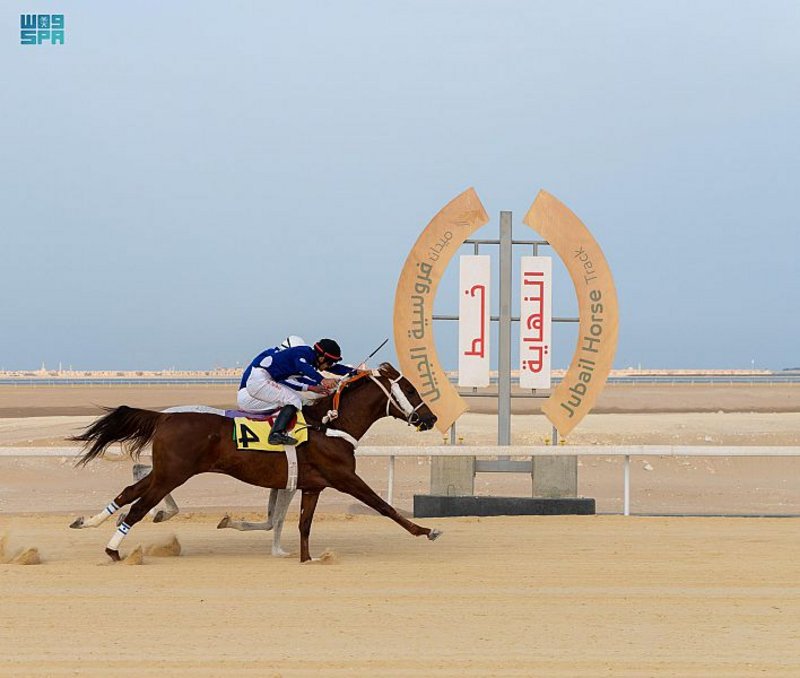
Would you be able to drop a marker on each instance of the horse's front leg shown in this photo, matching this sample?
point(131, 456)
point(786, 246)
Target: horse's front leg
point(267, 525)
point(245, 525)
point(242, 525)
point(307, 505)
point(278, 514)
point(273, 498)
point(353, 485)
point(277, 506)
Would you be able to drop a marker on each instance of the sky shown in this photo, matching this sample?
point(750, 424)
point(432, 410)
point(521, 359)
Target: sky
point(184, 184)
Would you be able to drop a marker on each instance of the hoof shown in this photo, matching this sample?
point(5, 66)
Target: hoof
point(224, 522)
point(77, 524)
point(280, 553)
point(433, 535)
point(163, 515)
point(114, 555)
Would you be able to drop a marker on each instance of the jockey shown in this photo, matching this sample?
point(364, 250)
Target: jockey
point(276, 378)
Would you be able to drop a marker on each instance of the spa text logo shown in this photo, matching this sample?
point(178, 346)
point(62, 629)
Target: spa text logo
point(35, 29)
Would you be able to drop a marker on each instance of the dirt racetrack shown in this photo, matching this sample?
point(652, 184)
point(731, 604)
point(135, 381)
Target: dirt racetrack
point(527, 596)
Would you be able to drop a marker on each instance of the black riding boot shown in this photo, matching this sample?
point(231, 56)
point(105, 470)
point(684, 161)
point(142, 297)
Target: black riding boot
point(278, 436)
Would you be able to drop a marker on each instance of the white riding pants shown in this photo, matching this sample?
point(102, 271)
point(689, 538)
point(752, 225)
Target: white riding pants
point(262, 393)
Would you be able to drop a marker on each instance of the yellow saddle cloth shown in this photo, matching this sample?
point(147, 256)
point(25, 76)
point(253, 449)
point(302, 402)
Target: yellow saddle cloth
point(250, 434)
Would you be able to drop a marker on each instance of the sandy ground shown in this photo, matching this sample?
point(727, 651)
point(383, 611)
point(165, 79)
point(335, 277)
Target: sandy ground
point(526, 596)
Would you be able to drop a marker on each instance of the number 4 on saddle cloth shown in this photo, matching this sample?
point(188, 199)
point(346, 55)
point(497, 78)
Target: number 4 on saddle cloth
point(252, 434)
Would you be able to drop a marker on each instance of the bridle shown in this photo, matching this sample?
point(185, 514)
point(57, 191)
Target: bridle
point(394, 396)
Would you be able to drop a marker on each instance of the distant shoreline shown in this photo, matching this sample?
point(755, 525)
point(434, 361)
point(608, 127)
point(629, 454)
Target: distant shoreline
point(230, 373)
point(231, 377)
point(38, 400)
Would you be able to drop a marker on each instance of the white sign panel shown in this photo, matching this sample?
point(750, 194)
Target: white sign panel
point(473, 320)
point(535, 322)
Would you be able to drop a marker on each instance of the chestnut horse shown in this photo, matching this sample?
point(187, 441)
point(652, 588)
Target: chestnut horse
point(187, 443)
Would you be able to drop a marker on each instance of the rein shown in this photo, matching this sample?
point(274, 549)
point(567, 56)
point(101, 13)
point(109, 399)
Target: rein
point(394, 396)
point(345, 383)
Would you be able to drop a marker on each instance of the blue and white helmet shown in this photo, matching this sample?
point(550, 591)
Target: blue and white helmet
point(293, 340)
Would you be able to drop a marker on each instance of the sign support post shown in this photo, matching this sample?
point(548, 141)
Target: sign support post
point(504, 343)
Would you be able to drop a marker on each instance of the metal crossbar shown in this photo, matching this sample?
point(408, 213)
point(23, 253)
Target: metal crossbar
point(505, 451)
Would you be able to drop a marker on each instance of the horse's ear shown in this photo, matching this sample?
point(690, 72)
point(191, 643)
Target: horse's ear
point(388, 370)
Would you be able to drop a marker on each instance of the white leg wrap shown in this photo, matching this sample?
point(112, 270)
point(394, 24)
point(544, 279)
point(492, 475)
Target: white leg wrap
point(101, 517)
point(291, 460)
point(119, 535)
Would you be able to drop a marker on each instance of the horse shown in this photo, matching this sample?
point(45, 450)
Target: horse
point(187, 443)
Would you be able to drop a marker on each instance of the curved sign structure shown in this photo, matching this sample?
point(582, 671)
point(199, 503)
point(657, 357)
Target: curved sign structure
point(413, 303)
point(574, 397)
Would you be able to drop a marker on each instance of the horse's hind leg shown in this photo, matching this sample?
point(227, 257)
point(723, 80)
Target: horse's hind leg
point(128, 495)
point(159, 515)
point(170, 510)
point(155, 492)
point(353, 485)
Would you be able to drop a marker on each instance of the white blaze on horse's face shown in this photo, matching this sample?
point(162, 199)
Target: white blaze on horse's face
point(400, 397)
point(397, 397)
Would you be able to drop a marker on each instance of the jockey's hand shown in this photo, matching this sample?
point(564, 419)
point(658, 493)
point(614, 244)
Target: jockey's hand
point(318, 388)
point(329, 384)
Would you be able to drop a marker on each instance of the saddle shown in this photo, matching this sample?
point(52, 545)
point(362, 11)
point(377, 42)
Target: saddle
point(255, 416)
point(252, 431)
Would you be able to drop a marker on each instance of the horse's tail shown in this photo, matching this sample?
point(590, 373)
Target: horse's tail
point(121, 425)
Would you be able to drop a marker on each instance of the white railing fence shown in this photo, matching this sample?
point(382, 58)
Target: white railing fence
point(494, 451)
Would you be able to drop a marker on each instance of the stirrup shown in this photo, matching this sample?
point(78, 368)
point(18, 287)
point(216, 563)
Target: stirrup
point(280, 438)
